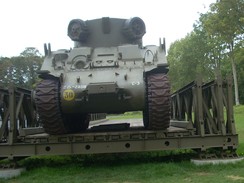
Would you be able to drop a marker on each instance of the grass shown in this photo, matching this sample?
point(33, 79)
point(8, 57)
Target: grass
point(132, 168)
point(239, 120)
point(168, 166)
point(127, 115)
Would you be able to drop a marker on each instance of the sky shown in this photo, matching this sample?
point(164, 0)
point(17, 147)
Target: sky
point(31, 23)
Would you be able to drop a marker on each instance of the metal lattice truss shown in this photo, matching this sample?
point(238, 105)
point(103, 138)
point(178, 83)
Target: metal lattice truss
point(207, 107)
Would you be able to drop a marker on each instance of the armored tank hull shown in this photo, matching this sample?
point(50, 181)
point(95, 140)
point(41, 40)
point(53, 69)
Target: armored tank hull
point(108, 71)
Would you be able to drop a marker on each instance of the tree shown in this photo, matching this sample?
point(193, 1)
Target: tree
point(213, 45)
point(225, 22)
point(21, 70)
point(5, 71)
point(188, 59)
point(32, 62)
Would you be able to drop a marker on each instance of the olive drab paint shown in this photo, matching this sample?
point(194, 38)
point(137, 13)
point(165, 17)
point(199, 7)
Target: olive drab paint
point(108, 70)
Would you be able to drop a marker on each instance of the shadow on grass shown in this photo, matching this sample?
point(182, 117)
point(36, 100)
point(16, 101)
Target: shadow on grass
point(108, 160)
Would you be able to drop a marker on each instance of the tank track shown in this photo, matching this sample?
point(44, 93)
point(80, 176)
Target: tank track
point(156, 115)
point(47, 100)
point(48, 106)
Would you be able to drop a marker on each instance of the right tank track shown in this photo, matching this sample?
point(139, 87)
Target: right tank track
point(156, 115)
point(48, 106)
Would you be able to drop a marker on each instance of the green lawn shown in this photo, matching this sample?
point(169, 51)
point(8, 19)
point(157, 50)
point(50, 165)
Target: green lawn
point(239, 119)
point(127, 115)
point(172, 166)
point(131, 168)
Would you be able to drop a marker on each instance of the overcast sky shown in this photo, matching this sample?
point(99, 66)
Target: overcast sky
point(31, 23)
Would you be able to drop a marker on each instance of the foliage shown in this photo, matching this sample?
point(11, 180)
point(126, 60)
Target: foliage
point(20, 70)
point(188, 59)
point(215, 46)
point(225, 22)
point(5, 65)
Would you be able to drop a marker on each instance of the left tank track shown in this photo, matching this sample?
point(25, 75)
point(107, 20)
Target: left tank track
point(47, 101)
point(48, 106)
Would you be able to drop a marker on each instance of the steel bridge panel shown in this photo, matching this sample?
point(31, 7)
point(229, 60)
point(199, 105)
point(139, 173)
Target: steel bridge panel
point(94, 147)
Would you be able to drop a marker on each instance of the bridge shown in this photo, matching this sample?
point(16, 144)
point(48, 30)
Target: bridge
point(201, 119)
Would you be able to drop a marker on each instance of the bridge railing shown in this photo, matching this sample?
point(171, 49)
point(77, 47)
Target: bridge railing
point(16, 111)
point(207, 107)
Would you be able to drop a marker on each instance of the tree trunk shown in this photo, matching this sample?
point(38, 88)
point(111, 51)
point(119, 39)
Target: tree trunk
point(235, 82)
point(237, 102)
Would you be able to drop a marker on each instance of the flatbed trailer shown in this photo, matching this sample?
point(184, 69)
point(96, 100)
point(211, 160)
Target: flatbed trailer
point(201, 118)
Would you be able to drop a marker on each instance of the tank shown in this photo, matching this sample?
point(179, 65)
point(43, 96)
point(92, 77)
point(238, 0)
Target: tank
point(107, 71)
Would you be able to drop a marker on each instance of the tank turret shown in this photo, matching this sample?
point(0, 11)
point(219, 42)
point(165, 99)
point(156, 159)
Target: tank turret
point(106, 32)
